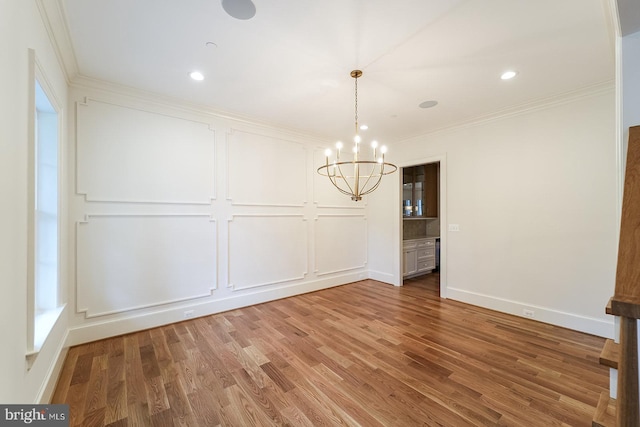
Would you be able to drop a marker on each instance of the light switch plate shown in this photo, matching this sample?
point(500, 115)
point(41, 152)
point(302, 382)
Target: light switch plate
point(454, 227)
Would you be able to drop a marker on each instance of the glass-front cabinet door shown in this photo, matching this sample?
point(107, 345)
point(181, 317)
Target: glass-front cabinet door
point(419, 191)
point(407, 192)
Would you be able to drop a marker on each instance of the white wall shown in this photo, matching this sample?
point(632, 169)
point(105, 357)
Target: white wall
point(534, 194)
point(178, 212)
point(21, 29)
point(630, 83)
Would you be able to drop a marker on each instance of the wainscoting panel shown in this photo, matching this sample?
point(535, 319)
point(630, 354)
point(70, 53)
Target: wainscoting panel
point(265, 171)
point(130, 155)
point(266, 249)
point(341, 243)
point(127, 262)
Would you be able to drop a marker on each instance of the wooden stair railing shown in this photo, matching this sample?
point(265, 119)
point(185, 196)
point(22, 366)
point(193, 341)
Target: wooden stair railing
point(610, 355)
point(605, 415)
point(625, 302)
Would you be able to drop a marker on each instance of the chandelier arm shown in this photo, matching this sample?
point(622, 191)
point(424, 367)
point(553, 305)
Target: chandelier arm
point(375, 186)
point(372, 189)
point(343, 178)
point(333, 178)
point(395, 168)
point(369, 178)
point(379, 180)
point(333, 181)
point(356, 179)
point(387, 165)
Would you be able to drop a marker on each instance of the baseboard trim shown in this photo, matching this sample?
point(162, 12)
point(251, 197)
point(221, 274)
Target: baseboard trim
point(383, 277)
point(576, 322)
point(51, 380)
point(123, 325)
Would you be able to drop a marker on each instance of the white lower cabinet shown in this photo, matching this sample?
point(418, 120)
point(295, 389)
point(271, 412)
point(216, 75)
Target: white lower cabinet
point(410, 259)
point(419, 256)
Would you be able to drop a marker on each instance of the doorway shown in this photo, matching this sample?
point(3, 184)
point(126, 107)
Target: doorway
point(422, 220)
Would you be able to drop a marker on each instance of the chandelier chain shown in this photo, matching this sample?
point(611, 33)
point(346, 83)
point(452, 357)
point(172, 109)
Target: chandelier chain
point(356, 104)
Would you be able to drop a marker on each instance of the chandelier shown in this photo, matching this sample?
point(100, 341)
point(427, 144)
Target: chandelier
point(356, 177)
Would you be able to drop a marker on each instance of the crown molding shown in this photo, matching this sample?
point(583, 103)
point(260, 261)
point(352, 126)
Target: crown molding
point(89, 83)
point(55, 23)
point(585, 92)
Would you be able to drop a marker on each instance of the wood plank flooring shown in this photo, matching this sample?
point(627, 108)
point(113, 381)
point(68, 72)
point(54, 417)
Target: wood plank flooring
point(363, 354)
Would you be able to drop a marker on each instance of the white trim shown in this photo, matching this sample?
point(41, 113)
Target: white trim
point(36, 75)
point(619, 130)
point(442, 159)
point(45, 393)
point(366, 245)
point(113, 327)
point(207, 200)
point(522, 109)
point(55, 23)
point(305, 150)
point(86, 220)
point(576, 322)
point(382, 276)
point(360, 206)
point(45, 322)
point(31, 191)
point(177, 104)
point(256, 285)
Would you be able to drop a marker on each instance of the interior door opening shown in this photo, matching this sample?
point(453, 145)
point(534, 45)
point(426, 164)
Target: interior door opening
point(421, 215)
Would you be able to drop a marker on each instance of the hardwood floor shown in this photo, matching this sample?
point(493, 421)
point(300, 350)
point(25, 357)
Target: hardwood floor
point(366, 354)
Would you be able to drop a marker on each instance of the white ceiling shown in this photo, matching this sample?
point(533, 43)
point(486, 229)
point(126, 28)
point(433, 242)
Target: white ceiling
point(290, 64)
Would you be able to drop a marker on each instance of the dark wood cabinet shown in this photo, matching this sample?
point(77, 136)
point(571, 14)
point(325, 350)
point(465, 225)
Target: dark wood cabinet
point(420, 191)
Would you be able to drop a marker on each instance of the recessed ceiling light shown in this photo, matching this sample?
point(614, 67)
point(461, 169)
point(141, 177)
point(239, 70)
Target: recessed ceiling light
point(196, 75)
point(507, 75)
point(428, 104)
point(364, 127)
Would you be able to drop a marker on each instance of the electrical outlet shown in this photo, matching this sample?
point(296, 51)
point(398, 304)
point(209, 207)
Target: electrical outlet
point(188, 314)
point(529, 313)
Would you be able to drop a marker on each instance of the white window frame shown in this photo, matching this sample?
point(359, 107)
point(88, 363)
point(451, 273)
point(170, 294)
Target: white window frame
point(40, 324)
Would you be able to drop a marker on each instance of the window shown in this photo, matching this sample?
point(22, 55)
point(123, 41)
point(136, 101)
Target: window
point(44, 305)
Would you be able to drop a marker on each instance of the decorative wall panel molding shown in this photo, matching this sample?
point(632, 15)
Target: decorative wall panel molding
point(130, 155)
point(266, 249)
point(265, 171)
point(341, 243)
point(128, 262)
point(325, 195)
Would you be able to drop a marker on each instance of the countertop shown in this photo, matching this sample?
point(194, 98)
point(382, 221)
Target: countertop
point(420, 238)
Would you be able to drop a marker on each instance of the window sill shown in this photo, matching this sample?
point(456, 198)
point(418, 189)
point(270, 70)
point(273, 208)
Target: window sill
point(43, 326)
